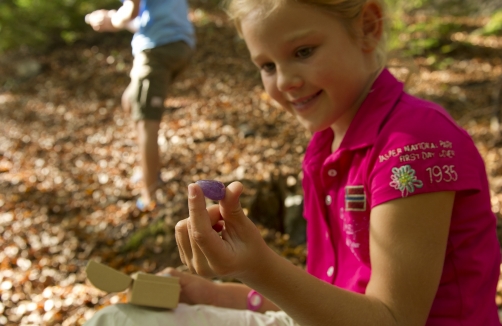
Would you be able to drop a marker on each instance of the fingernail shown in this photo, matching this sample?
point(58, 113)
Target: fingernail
point(191, 191)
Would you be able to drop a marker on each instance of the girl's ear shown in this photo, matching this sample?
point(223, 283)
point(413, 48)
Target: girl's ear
point(372, 25)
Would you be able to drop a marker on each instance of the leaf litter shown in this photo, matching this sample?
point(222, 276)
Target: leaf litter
point(67, 156)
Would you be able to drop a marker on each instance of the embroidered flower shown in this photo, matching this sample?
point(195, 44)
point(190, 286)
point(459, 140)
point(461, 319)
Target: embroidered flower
point(404, 179)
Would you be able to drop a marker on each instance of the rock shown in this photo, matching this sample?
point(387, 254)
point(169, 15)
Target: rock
point(28, 68)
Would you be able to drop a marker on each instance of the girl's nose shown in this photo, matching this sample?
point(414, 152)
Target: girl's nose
point(288, 80)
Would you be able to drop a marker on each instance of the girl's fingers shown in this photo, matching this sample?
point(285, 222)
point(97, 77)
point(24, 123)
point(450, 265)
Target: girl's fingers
point(237, 223)
point(231, 206)
point(183, 241)
point(186, 247)
point(212, 254)
point(213, 212)
point(170, 271)
point(201, 225)
point(199, 260)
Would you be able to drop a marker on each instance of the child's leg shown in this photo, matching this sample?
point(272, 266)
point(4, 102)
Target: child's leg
point(149, 156)
point(185, 315)
point(125, 101)
point(152, 74)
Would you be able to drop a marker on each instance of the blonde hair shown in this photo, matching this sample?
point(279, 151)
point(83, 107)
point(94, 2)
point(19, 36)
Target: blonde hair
point(345, 10)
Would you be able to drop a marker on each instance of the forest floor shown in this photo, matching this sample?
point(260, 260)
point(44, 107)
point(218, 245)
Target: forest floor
point(67, 154)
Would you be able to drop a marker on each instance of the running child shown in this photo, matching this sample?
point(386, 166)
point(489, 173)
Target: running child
point(162, 45)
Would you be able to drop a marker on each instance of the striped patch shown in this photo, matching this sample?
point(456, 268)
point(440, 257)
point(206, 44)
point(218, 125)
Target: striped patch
point(355, 198)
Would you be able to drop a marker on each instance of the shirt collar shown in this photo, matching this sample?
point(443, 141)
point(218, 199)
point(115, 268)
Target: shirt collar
point(379, 102)
point(364, 128)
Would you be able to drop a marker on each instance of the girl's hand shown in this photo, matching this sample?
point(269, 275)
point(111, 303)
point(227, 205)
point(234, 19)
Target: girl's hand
point(219, 240)
point(194, 289)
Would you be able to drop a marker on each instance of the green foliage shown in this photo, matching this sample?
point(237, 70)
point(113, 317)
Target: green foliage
point(401, 6)
point(494, 25)
point(418, 38)
point(44, 23)
point(41, 23)
point(431, 33)
point(137, 239)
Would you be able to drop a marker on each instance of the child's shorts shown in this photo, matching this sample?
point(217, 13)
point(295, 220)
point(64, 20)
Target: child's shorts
point(185, 315)
point(152, 73)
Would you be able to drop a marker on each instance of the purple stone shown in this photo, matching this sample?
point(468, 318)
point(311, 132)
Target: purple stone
point(212, 189)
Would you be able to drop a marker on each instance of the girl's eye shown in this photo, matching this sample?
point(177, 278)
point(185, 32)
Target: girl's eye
point(268, 67)
point(304, 52)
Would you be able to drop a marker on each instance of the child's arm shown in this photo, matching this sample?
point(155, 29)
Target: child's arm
point(199, 290)
point(125, 14)
point(408, 243)
point(114, 20)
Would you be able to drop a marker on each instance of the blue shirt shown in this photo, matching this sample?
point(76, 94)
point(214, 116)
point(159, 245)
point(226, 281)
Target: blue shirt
point(161, 22)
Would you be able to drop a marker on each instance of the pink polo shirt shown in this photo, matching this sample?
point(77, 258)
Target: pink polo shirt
point(399, 146)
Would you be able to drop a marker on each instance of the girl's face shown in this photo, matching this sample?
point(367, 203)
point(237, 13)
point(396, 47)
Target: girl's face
point(309, 64)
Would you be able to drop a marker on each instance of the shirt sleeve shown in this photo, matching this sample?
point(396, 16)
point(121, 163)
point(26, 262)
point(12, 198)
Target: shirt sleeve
point(424, 153)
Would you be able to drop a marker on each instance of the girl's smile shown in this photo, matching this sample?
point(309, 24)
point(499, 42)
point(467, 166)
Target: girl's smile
point(304, 103)
point(310, 64)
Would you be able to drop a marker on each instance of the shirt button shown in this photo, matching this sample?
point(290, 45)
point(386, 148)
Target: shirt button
point(332, 173)
point(328, 200)
point(330, 271)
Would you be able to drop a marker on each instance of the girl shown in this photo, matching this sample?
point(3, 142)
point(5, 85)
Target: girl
point(399, 223)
